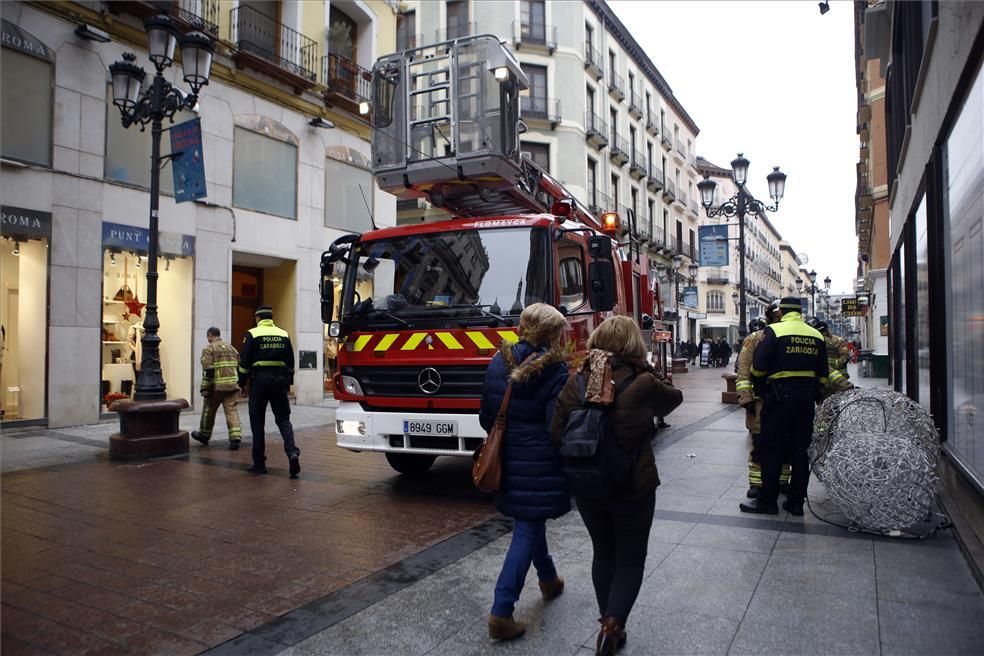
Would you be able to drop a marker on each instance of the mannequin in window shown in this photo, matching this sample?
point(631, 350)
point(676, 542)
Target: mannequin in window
point(134, 337)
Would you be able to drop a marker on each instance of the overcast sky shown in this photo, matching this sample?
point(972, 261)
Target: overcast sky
point(774, 80)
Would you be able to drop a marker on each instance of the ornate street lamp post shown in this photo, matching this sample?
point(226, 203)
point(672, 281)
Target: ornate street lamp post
point(739, 205)
point(160, 100)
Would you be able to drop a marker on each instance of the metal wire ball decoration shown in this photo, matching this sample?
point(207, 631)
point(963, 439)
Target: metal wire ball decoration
point(875, 451)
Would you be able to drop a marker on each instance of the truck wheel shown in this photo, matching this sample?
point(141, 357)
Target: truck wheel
point(410, 464)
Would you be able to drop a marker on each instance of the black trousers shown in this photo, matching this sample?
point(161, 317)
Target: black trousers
point(272, 389)
point(620, 537)
point(787, 430)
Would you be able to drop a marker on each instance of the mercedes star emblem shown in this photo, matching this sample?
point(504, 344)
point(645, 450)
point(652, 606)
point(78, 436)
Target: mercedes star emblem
point(429, 380)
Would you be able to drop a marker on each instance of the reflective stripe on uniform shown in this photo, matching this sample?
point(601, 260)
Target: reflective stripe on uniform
point(744, 385)
point(269, 363)
point(756, 372)
point(793, 374)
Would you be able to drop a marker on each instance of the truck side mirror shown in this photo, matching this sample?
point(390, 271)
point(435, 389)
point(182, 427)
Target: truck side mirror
point(601, 285)
point(600, 246)
point(326, 288)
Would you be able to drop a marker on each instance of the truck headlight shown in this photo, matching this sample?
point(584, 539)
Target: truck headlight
point(351, 386)
point(350, 427)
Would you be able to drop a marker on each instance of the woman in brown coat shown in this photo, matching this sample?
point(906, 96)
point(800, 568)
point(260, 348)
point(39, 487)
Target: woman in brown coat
point(616, 372)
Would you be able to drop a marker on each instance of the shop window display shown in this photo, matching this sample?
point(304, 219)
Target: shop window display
point(23, 327)
point(123, 312)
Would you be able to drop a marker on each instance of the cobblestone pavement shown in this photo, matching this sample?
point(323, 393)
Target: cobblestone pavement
point(182, 555)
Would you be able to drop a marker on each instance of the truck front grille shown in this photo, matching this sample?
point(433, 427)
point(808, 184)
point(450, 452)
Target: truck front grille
point(456, 381)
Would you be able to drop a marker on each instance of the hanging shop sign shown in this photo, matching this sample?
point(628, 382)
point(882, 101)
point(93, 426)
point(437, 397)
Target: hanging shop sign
point(132, 238)
point(713, 240)
point(188, 161)
point(690, 296)
point(24, 222)
point(15, 38)
point(853, 307)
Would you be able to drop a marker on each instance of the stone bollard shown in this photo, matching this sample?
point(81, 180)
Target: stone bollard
point(730, 395)
point(148, 429)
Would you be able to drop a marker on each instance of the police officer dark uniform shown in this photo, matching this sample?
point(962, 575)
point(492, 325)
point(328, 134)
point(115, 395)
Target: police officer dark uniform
point(789, 366)
point(266, 365)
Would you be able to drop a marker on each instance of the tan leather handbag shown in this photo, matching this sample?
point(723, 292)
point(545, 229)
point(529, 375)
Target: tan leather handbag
point(487, 468)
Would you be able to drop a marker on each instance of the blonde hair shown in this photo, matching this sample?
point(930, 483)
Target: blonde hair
point(620, 336)
point(541, 324)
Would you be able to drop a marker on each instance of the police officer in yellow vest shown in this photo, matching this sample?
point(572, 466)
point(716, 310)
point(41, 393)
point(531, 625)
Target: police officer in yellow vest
point(220, 362)
point(752, 403)
point(267, 368)
point(789, 367)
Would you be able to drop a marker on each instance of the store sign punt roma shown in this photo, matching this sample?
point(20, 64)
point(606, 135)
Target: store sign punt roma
point(133, 238)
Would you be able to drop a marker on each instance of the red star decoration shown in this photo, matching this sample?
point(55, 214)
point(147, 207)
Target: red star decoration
point(135, 306)
point(126, 315)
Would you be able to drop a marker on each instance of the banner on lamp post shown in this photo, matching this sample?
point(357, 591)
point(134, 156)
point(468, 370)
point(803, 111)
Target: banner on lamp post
point(690, 296)
point(188, 161)
point(713, 240)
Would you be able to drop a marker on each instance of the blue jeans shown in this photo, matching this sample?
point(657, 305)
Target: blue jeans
point(529, 545)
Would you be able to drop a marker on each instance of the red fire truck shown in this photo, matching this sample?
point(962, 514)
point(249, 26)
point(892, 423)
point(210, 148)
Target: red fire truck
point(419, 310)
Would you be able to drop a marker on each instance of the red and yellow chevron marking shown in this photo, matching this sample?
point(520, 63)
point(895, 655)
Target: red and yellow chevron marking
point(457, 340)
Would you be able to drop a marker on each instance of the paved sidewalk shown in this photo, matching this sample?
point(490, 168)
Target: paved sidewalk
point(717, 581)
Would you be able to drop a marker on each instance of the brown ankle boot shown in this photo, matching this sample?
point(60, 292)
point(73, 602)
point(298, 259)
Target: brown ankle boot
point(505, 628)
point(610, 636)
point(552, 589)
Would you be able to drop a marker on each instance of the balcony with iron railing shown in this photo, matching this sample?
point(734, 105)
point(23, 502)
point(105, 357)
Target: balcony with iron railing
point(598, 202)
point(538, 108)
point(455, 31)
point(654, 179)
point(669, 191)
point(658, 239)
point(652, 123)
point(534, 34)
point(270, 47)
point(635, 104)
point(637, 168)
point(616, 85)
point(694, 207)
point(643, 230)
point(680, 153)
point(716, 276)
point(618, 149)
point(189, 15)
point(592, 61)
point(347, 83)
point(682, 198)
point(595, 130)
point(664, 139)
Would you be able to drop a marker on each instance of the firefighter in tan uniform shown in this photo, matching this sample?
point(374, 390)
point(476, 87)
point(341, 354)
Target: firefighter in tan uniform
point(753, 404)
point(220, 376)
point(838, 355)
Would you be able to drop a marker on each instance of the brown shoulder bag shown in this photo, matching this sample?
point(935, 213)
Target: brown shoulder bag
point(487, 469)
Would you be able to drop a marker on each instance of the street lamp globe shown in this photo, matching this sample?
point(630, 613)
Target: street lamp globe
point(677, 261)
point(693, 270)
point(127, 81)
point(707, 188)
point(777, 183)
point(661, 271)
point(196, 60)
point(826, 282)
point(813, 276)
point(734, 296)
point(739, 169)
point(162, 37)
point(799, 283)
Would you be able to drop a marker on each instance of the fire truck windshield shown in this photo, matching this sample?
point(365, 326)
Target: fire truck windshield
point(442, 278)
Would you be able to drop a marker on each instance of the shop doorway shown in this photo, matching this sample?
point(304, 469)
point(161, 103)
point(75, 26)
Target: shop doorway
point(247, 290)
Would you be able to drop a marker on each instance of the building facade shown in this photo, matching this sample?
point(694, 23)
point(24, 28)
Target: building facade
point(601, 118)
point(931, 56)
point(280, 189)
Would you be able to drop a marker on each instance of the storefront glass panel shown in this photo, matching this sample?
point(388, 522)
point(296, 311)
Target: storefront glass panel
point(922, 307)
point(964, 233)
point(23, 326)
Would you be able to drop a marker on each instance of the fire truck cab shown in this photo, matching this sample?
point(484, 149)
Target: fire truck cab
point(419, 310)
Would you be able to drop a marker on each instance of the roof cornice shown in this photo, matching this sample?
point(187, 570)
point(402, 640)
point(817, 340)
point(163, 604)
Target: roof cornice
point(646, 65)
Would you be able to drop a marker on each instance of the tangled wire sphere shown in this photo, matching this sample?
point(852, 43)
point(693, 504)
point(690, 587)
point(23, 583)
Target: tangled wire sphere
point(875, 451)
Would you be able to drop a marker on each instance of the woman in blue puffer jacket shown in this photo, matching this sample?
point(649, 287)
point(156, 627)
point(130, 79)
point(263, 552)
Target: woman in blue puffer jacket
point(533, 487)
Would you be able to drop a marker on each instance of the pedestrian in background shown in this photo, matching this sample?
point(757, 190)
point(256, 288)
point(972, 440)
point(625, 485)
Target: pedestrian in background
point(619, 526)
point(533, 487)
point(219, 387)
point(266, 372)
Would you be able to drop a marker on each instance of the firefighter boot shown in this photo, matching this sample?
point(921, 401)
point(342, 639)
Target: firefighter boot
point(199, 437)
